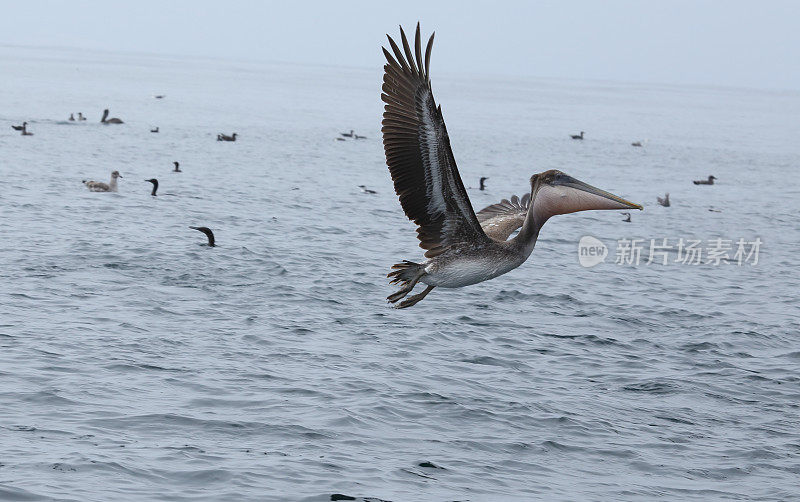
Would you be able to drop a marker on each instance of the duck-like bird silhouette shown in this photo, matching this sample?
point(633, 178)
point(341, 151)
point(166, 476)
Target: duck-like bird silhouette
point(576, 136)
point(665, 201)
point(225, 137)
point(19, 127)
point(462, 248)
point(709, 181)
point(627, 217)
point(99, 186)
point(112, 120)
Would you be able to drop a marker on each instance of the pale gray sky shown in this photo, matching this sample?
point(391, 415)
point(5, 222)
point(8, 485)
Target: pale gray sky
point(732, 43)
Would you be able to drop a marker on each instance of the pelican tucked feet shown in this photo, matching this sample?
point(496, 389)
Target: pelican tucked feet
point(99, 186)
point(462, 247)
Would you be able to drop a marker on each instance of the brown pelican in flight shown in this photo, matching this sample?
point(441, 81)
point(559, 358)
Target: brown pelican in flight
point(665, 201)
point(709, 181)
point(113, 120)
point(576, 136)
point(462, 248)
point(99, 186)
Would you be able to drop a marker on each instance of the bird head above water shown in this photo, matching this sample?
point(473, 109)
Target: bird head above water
point(209, 234)
point(116, 175)
point(554, 192)
point(155, 185)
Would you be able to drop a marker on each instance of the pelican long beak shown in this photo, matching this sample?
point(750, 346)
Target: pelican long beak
point(582, 196)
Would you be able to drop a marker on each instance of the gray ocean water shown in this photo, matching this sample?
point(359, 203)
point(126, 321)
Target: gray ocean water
point(138, 364)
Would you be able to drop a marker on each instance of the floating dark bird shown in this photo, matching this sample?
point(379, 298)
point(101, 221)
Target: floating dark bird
point(482, 182)
point(365, 189)
point(577, 136)
point(709, 181)
point(177, 167)
point(159, 96)
point(348, 135)
point(665, 201)
point(19, 127)
point(106, 120)
point(636, 143)
point(154, 130)
point(340, 139)
point(25, 131)
point(99, 186)
point(155, 186)
point(628, 217)
point(360, 137)
point(81, 117)
point(208, 233)
point(72, 117)
point(224, 137)
point(462, 248)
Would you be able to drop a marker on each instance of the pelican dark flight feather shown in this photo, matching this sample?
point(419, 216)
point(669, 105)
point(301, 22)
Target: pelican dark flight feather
point(462, 248)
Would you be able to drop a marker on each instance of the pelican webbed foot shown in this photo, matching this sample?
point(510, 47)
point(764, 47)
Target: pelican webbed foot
point(413, 300)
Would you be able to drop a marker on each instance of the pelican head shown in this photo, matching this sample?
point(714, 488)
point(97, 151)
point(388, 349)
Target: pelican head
point(554, 192)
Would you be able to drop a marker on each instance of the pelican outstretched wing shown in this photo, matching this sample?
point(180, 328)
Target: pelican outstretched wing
point(501, 219)
point(418, 153)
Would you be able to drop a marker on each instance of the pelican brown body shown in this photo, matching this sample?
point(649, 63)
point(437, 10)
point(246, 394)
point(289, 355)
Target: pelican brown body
point(112, 120)
point(462, 248)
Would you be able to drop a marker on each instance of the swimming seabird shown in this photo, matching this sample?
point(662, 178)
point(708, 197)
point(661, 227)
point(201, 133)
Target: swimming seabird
point(113, 120)
point(25, 130)
point(81, 117)
point(576, 136)
point(348, 135)
point(99, 186)
point(365, 189)
point(709, 181)
point(154, 130)
point(665, 201)
point(360, 137)
point(482, 182)
point(628, 219)
point(159, 96)
point(208, 233)
point(155, 186)
point(224, 137)
point(462, 248)
point(636, 143)
point(177, 167)
point(19, 127)
point(340, 139)
point(72, 117)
